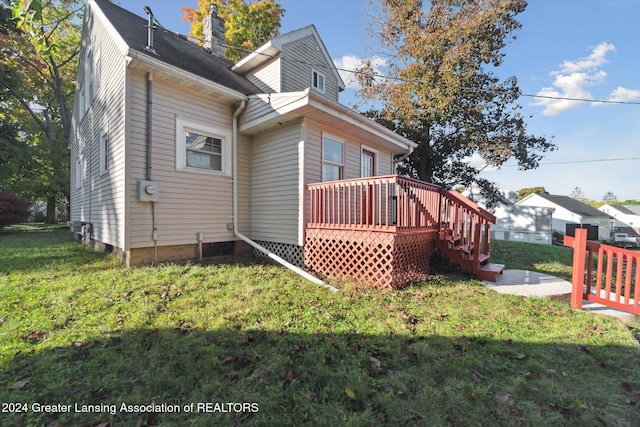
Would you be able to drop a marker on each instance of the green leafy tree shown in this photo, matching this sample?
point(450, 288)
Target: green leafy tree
point(577, 194)
point(39, 48)
point(248, 24)
point(524, 192)
point(609, 197)
point(440, 89)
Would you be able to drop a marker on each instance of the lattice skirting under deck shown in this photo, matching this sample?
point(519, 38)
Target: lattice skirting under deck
point(291, 253)
point(381, 259)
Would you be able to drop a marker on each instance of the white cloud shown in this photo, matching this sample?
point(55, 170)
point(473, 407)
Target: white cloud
point(572, 80)
point(348, 63)
point(596, 59)
point(621, 94)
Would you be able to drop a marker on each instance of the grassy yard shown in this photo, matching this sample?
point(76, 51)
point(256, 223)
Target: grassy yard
point(252, 344)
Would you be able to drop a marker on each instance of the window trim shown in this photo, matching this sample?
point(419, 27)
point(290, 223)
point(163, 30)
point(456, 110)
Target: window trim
point(314, 80)
point(79, 173)
point(341, 166)
point(376, 159)
point(184, 124)
point(105, 148)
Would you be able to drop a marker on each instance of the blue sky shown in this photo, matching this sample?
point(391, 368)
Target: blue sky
point(566, 48)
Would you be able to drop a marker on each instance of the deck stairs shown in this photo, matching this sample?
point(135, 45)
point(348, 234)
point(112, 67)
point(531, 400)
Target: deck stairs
point(464, 233)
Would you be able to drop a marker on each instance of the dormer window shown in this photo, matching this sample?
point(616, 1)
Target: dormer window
point(317, 80)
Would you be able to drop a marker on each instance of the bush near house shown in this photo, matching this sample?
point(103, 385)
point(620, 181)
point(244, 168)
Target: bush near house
point(12, 209)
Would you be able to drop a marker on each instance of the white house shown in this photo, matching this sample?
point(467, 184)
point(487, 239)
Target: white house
point(569, 211)
point(178, 153)
point(157, 120)
point(627, 217)
point(531, 224)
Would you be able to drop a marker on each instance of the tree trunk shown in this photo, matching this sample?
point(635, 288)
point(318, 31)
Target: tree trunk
point(51, 211)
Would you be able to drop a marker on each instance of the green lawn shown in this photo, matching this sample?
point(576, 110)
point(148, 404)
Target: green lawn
point(252, 344)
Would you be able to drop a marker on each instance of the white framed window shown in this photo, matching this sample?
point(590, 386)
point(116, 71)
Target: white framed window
point(317, 80)
point(332, 159)
point(201, 148)
point(88, 80)
point(79, 172)
point(368, 162)
point(96, 73)
point(105, 147)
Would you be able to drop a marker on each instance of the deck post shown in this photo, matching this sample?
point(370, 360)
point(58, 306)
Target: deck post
point(577, 276)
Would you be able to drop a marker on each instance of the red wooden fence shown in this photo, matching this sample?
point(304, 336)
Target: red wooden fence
point(604, 274)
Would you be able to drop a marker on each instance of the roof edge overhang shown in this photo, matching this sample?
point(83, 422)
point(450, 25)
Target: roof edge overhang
point(309, 104)
point(147, 63)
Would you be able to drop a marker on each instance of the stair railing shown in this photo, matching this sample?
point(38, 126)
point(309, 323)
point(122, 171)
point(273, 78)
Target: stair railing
point(469, 226)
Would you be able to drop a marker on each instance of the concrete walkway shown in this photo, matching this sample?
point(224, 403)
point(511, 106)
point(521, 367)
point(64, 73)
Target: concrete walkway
point(531, 283)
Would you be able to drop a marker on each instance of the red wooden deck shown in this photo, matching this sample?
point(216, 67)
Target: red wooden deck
point(382, 230)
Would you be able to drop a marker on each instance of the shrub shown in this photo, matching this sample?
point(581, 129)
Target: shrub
point(12, 209)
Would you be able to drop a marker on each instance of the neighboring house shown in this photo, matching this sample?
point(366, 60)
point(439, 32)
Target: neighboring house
point(627, 217)
point(177, 153)
point(531, 224)
point(570, 212)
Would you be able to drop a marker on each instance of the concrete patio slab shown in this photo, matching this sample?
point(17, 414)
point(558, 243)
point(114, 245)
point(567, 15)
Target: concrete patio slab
point(534, 284)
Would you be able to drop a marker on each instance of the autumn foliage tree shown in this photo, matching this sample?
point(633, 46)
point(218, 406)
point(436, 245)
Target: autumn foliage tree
point(440, 89)
point(248, 24)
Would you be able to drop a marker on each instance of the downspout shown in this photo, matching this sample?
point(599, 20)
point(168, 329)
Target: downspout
point(404, 156)
point(149, 175)
point(236, 232)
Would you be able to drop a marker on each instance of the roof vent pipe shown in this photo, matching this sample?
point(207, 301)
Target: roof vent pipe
point(150, 27)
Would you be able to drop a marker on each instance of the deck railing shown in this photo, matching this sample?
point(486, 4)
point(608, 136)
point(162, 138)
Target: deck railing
point(390, 203)
point(614, 282)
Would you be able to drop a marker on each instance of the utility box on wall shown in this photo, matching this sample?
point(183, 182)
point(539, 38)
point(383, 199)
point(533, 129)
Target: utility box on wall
point(148, 191)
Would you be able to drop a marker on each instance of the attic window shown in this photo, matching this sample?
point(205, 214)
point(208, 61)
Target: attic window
point(317, 80)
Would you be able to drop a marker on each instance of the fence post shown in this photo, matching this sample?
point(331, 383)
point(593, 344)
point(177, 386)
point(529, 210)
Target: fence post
point(577, 275)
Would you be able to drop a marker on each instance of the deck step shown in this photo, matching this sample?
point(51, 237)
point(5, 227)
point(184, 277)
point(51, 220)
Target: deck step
point(490, 271)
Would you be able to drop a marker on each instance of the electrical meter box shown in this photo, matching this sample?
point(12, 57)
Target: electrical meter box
point(148, 191)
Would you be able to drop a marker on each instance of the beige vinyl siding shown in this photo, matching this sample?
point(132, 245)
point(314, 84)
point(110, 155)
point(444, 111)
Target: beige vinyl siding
point(101, 200)
point(313, 133)
point(190, 201)
point(275, 184)
point(297, 59)
point(267, 77)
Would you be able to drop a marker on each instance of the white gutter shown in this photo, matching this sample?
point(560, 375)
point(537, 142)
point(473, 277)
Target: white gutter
point(404, 156)
point(234, 144)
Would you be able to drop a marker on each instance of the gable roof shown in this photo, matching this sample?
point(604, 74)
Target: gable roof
point(626, 209)
point(265, 111)
point(573, 205)
point(173, 49)
point(273, 47)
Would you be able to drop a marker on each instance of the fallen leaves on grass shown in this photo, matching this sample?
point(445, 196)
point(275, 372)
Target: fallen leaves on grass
point(350, 393)
point(477, 377)
point(563, 410)
point(20, 384)
point(505, 399)
point(33, 337)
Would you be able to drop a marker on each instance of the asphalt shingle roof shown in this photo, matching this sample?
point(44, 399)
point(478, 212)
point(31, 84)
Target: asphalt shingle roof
point(627, 209)
point(174, 49)
point(574, 205)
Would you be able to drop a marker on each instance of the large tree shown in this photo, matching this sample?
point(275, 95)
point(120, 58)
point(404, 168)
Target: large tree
point(38, 50)
point(248, 24)
point(441, 91)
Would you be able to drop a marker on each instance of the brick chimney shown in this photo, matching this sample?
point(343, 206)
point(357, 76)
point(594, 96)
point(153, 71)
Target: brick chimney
point(213, 30)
